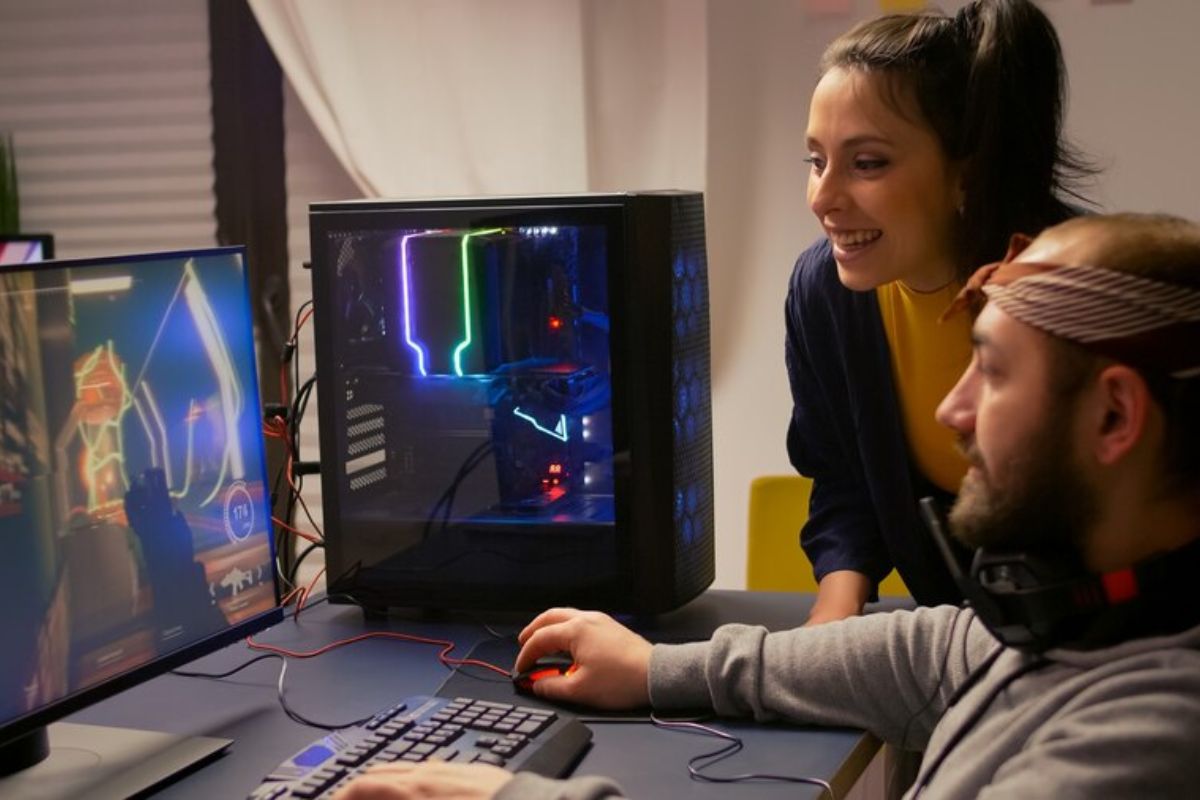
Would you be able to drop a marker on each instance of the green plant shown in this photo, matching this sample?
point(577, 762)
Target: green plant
point(10, 203)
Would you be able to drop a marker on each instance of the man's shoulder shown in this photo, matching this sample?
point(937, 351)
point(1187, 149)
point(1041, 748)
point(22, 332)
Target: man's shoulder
point(1169, 670)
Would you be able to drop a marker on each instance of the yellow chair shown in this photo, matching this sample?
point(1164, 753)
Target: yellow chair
point(774, 560)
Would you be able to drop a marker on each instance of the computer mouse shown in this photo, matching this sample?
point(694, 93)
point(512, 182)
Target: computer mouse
point(551, 664)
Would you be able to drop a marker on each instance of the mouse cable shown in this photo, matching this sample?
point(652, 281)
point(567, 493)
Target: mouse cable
point(698, 765)
point(637, 720)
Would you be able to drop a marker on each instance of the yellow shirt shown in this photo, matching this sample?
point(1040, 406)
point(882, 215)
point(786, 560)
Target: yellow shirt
point(928, 358)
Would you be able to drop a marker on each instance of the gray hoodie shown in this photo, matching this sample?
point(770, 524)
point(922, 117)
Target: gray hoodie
point(1120, 722)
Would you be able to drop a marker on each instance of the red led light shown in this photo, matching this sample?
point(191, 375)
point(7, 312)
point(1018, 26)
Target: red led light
point(555, 323)
point(555, 469)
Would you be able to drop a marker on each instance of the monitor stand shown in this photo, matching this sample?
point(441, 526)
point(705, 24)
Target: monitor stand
point(99, 762)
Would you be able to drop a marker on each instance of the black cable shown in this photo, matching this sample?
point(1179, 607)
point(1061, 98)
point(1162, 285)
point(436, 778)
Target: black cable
point(941, 677)
point(463, 472)
point(446, 501)
point(300, 558)
point(298, 408)
point(976, 714)
point(289, 356)
point(975, 675)
point(292, 342)
point(296, 716)
point(214, 675)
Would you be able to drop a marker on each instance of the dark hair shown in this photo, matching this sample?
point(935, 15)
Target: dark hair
point(990, 82)
point(1164, 248)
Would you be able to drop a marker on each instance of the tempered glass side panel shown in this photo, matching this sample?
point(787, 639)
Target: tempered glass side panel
point(472, 399)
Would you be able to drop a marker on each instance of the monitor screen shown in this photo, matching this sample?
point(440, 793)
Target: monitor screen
point(26, 248)
point(133, 511)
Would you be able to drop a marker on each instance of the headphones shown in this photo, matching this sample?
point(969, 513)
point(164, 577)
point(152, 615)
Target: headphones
point(1034, 601)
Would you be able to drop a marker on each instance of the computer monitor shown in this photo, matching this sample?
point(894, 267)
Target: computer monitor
point(133, 512)
point(514, 401)
point(25, 248)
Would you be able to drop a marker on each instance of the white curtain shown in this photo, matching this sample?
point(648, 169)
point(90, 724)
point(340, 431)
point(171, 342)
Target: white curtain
point(466, 97)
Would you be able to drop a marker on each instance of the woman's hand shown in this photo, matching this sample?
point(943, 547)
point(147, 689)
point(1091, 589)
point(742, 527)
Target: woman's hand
point(612, 662)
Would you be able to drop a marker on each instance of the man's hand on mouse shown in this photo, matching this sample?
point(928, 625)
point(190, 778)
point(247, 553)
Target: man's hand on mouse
point(432, 779)
point(612, 662)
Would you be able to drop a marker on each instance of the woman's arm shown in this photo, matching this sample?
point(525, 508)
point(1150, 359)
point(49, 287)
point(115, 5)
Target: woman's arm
point(841, 537)
point(840, 594)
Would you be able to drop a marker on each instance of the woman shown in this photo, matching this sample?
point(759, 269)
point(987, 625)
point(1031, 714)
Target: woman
point(931, 139)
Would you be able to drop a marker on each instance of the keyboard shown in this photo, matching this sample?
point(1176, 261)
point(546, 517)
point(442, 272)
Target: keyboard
point(419, 728)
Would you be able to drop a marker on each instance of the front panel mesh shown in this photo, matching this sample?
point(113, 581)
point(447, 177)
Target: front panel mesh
point(692, 398)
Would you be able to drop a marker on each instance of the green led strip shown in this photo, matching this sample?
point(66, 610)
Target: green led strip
point(466, 284)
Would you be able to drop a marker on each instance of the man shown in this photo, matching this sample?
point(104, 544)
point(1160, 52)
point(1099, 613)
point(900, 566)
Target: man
point(1077, 674)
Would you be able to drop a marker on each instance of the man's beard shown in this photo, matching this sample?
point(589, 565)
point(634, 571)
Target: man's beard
point(1047, 507)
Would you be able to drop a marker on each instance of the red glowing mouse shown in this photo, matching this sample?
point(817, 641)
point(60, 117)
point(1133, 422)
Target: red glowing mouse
point(549, 665)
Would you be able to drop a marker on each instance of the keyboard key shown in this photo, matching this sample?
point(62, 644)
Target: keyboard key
point(490, 758)
point(530, 727)
point(398, 749)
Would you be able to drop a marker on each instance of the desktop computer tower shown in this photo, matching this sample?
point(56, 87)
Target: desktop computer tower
point(514, 401)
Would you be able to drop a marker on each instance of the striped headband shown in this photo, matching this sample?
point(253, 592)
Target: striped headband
point(1139, 321)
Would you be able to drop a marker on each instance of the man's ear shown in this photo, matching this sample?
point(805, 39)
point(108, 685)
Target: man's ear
point(1122, 413)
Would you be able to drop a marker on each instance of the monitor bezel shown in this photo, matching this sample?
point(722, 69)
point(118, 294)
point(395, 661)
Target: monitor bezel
point(18, 727)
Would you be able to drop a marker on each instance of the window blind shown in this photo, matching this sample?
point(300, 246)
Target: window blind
point(110, 111)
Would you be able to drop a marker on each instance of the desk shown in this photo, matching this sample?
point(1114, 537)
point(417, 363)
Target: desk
point(359, 679)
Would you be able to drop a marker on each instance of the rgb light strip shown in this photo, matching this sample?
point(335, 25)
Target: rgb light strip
point(559, 432)
point(422, 352)
point(407, 302)
point(466, 284)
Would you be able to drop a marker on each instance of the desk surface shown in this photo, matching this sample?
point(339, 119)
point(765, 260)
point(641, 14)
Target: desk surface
point(355, 681)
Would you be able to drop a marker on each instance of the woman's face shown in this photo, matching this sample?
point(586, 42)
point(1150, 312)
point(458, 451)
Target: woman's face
point(880, 185)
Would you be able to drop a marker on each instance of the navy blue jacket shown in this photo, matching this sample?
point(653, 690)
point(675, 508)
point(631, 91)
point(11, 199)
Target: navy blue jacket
point(846, 433)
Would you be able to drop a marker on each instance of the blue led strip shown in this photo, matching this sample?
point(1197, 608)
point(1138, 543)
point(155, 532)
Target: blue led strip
point(559, 432)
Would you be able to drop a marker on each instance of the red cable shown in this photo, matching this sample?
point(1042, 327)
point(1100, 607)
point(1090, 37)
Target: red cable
point(443, 656)
point(304, 595)
point(296, 531)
